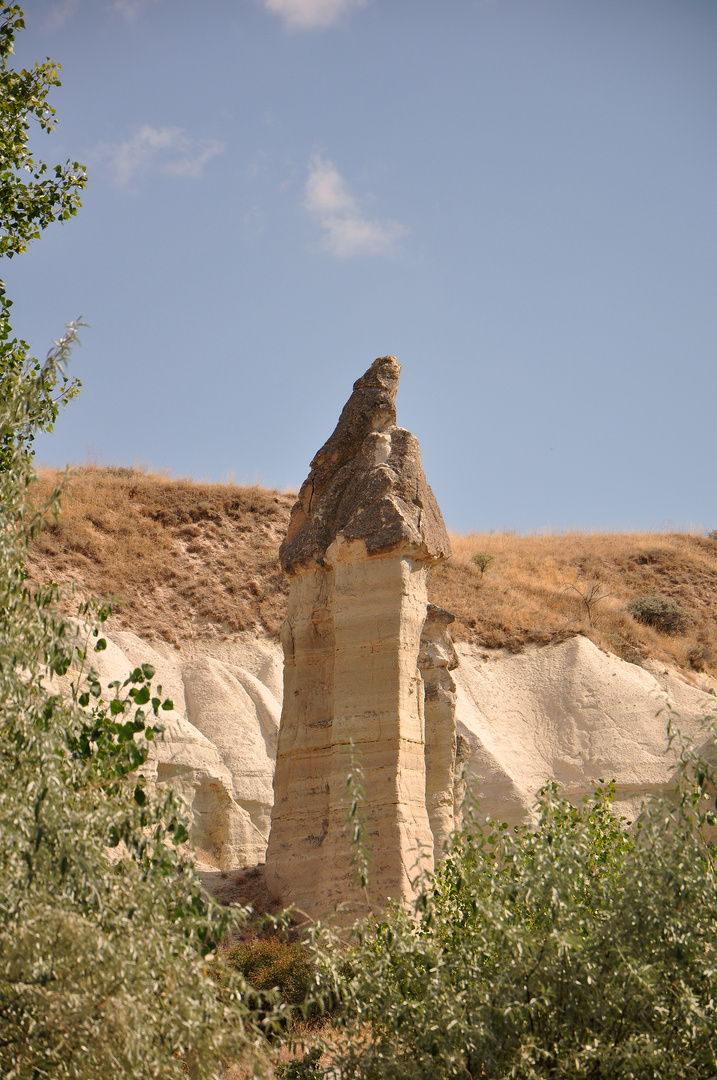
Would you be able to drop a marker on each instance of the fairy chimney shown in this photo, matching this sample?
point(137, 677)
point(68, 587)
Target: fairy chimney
point(362, 535)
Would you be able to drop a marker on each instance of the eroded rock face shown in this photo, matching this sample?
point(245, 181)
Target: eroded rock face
point(224, 703)
point(436, 659)
point(217, 750)
point(362, 534)
point(573, 714)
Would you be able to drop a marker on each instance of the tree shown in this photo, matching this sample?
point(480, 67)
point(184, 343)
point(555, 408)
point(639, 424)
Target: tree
point(32, 196)
point(107, 946)
point(575, 948)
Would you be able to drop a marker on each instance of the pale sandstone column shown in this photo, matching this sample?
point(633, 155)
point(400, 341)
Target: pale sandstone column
point(362, 534)
point(379, 608)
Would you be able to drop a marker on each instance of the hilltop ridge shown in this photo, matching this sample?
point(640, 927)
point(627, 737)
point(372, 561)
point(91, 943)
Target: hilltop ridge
point(183, 559)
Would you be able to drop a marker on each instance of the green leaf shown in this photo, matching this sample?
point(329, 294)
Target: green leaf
point(180, 834)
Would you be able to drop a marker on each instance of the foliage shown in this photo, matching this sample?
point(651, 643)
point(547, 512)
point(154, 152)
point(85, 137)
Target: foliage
point(273, 963)
point(103, 969)
point(106, 942)
point(573, 948)
point(482, 559)
point(658, 611)
point(304, 1068)
point(27, 206)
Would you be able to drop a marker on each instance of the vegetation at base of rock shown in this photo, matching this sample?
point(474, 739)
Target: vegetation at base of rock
point(304, 1068)
point(103, 968)
point(661, 612)
point(576, 947)
point(274, 963)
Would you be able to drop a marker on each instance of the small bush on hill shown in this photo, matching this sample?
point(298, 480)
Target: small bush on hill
point(661, 612)
point(482, 560)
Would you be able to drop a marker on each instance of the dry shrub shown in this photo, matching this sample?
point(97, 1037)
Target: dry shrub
point(272, 962)
point(659, 611)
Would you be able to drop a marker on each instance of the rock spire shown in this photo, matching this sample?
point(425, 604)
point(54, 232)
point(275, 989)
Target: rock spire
point(362, 535)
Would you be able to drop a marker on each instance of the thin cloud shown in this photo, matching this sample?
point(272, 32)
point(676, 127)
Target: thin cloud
point(60, 13)
point(308, 14)
point(168, 150)
point(347, 232)
point(131, 9)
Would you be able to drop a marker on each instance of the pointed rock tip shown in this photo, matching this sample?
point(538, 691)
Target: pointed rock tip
point(383, 374)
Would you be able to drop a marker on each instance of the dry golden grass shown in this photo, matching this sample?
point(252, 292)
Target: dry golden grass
point(186, 559)
point(533, 591)
point(181, 558)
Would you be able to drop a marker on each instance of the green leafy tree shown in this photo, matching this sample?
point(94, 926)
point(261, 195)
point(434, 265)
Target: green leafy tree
point(32, 196)
point(108, 959)
point(570, 949)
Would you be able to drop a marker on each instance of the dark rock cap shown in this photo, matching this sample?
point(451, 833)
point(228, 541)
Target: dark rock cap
point(366, 483)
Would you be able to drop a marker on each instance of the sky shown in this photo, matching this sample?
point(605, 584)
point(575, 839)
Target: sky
point(516, 198)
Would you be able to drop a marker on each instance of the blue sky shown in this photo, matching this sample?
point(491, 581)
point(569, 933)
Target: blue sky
point(515, 197)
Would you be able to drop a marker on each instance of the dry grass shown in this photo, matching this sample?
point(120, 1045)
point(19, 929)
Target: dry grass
point(182, 559)
point(186, 559)
point(533, 591)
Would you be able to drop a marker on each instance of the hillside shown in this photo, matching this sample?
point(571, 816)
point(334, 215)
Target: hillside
point(182, 560)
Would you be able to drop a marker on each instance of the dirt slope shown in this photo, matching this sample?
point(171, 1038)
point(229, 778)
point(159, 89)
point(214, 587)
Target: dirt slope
point(185, 559)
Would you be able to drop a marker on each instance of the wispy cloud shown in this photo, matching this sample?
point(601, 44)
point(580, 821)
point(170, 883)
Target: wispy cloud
point(167, 150)
point(60, 12)
point(307, 14)
point(347, 232)
point(131, 9)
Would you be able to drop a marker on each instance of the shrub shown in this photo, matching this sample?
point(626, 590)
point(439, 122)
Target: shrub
point(304, 1068)
point(272, 963)
point(699, 656)
point(576, 948)
point(103, 968)
point(661, 612)
point(482, 559)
